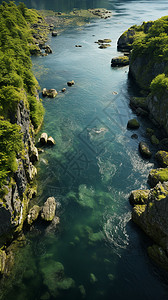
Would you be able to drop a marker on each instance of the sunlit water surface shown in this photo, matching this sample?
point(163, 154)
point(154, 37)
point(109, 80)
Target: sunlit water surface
point(90, 174)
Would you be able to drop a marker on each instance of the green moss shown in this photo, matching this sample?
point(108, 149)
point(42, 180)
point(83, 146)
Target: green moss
point(139, 197)
point(159, 85)
point(162, 158)
point(139, 209)
point(154, 140)
point(157, 175)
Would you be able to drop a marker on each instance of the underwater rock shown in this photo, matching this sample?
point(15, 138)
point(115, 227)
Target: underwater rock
point(139, 197)
point(43, 138)
point(55, 279)
point(133, 124)
point(96, 237)
point(154, 140)
point(82, 291)
point(162, 158)
point(111, 277)
point(144, 150)
point(48, 209)
point(120, 61)
point(70, 83)
point(33, 214)
point(50, 141)
point(93, 278)
point(149, 131)
point(86, 197)
point(51, 93)
point(134, 136)
point(156, 175)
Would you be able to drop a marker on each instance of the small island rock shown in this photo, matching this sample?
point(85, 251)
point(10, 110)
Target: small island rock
point(120, 61)
point(54, 33)
point(52, 93)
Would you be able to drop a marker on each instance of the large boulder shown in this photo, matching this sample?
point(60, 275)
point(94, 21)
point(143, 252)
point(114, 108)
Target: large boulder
point(144, 150)
point(139, 197)
point(162, 158)
point(158, 175)
point(48, 210)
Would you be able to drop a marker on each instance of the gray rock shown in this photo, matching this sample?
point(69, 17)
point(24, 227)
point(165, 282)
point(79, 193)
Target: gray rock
point(48, 210)
point(133, 124)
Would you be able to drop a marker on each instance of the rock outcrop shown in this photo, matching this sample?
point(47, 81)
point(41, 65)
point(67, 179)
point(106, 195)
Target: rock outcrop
point(152, 218)
point(48, 210)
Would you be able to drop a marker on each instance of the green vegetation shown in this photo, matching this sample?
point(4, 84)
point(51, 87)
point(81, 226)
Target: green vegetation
point(17, 82)
point(159, 85)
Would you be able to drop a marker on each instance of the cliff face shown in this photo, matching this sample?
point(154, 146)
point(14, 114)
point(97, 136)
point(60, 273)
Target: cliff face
point(20, 189)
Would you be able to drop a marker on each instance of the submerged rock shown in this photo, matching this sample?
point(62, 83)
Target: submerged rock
point(93, 278)
point(133, 124)
point(162, 158)
point(48, 210)
point(82, 291)
point(134, 136)
point(144, 150)
point(139, 197)
point(33, 214)
point(154, 140)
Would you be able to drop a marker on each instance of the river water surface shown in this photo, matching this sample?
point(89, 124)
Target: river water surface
point(91, 169)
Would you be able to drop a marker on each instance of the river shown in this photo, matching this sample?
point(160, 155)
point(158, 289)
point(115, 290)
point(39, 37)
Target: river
point(90, 174)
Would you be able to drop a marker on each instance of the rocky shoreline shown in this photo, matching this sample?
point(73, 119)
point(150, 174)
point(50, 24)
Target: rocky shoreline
point(150, 207)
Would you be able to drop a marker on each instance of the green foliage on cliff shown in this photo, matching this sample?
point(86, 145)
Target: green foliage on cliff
point(159, 85)
point(17, 82)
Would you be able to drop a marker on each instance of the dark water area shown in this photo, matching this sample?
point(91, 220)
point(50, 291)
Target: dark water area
point(96, 249)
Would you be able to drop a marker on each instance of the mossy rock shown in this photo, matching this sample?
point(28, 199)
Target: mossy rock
point(149, 131)
point(120, 61)
point(96, 237)
point(162, 158)
point(139, 197)
point(133, 124)
point(154, 140)
point(156, 175)
point(33, 214)
point(141, 102)
point(48, 209)
point(144, 150)
point(157, 253)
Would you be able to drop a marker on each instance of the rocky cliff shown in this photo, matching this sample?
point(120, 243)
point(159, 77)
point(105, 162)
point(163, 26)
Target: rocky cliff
point(148, 67)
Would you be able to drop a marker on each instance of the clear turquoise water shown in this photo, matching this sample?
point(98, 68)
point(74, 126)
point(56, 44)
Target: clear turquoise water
point(89, 174)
